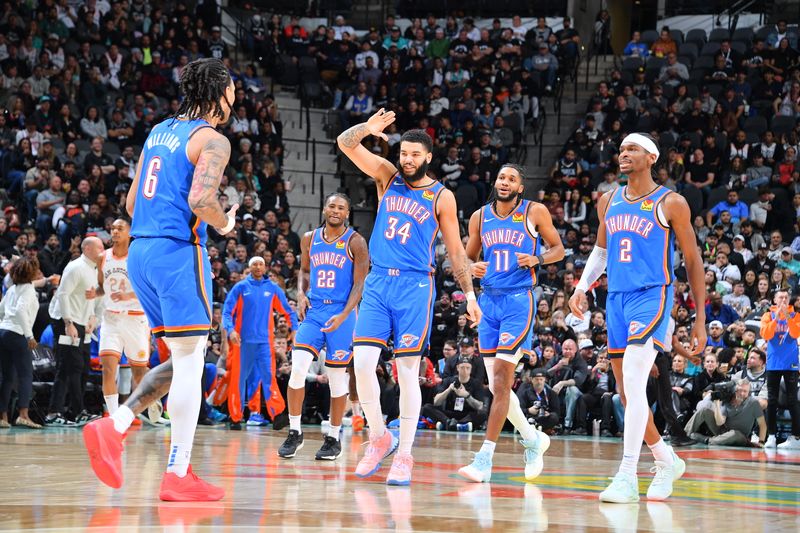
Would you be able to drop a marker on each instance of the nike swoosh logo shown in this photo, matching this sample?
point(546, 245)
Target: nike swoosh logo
point(317, 242)
point(616, 203)
point(423, 285)
point(399, 182)
point(488, 219)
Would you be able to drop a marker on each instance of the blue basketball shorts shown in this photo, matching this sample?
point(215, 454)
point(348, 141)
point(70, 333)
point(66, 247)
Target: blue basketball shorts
point(634, 317)
point(172, 280)
point(399, 304)
point(507, 323)
point(338, 343)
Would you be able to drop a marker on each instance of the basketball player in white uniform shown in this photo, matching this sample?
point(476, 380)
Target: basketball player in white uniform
point(124, 327)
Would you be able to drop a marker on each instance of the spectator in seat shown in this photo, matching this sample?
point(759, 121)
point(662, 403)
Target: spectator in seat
point(545, 64)
point(699, 174)
point(636, 48)
point(460, 404)
point(673, 73)
point(729, 423)
point(737, 209)
point(756, 373)
point(710, 374)
point(738, 299)
point(715, 334)
point(665, 44)
point(540, 403)
point(716, 310)
point(600, 386)
point(568, 373)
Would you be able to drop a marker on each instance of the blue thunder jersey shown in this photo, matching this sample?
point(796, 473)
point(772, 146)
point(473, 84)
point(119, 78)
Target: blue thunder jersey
point(162, 199)
point(640, 244)
point(406, 227)
point(502, 238)
point(331, 267)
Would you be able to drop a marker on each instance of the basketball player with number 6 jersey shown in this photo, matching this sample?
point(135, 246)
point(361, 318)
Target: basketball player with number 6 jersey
point(173, 199)
point(124, 326)
point(635, 241)
point(508, 232)
point(334, 263)
point(399, 292)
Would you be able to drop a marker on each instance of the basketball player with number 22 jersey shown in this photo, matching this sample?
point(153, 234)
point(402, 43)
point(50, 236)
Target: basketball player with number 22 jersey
point(635, 242)
point(399, 292)
point(172, 201)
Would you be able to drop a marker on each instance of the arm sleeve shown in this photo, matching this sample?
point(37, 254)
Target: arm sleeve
point(595, 265)
point(227, 308)
point(768, 326)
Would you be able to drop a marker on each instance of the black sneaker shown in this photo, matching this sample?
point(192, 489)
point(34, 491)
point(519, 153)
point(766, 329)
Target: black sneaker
point(606, 433)
point(236, 426)
point(292, 443)
point(58, 421)
point(84, 418)
point(580, 431)
point(330, 451)
point(280, 421)
point(682, 440)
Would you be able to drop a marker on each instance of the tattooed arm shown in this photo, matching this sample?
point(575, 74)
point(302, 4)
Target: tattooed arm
point(376, 167)
point(212, 158)
point(154, 386)
point(451, 235)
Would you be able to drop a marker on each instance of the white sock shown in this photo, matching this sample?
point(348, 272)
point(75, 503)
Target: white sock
point(334, 431)
point(636, 365)
point(365, 360)
point(123, 418)
point(410, 401)
point(294, 423)
point(184, 399)
point(515, 414)
point(112, 403)
point(661, 452)
point(357, 408)
point(488, 447)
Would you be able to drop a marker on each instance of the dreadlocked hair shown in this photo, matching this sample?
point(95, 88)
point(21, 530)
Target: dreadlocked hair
point(203, 84)
point(521, 171)
point(341, 195)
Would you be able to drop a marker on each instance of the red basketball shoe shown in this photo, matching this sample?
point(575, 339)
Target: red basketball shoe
point(189, 488)
point(104, 445)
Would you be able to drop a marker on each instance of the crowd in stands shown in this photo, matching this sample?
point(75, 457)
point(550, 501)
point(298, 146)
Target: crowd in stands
point(82, 87)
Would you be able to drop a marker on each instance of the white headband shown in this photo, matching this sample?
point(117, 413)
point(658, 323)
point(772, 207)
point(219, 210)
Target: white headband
point(256, 259)
point(644, 142)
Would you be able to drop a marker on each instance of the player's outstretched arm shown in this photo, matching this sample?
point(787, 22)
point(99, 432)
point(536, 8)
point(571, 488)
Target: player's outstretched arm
point(130, 198)
point(358, 247)
point(349, 142)
point(679, 216)
point(303, 275)
point(212, 157)
point(451, 235)
point(596, 264)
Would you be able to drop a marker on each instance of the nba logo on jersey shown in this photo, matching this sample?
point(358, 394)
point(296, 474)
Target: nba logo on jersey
point(517, 217)
point(634, 327)
point(428, 195)
point(647, 205)
point(408, 340)
point(506, 338)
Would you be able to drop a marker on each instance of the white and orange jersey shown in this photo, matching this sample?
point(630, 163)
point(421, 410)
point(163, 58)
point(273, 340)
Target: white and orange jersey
point(116, 280)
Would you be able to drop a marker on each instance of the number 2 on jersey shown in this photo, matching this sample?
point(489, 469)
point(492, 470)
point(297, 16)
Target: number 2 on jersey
point(326, 279)
point(151, 178)
point(625, 250)
point(404, 231)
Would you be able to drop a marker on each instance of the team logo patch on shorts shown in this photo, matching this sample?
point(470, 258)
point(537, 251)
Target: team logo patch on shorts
point(428, 195)
point(340, 355)
point(408, 340)
point(635, 328)
point(647, 205)
point(506, 337)
point(517, 217)
point(340, 245)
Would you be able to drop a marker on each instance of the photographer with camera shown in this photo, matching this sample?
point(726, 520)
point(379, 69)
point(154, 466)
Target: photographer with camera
point(780, 327)
point(460, 404)
point(539, 402)
point(728, 412)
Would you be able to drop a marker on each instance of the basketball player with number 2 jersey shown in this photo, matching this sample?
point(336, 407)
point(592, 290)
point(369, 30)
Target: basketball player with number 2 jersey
point(399, 292)
point(508, 232)
point(635, 242)
point(124, 326)
point(172, 201)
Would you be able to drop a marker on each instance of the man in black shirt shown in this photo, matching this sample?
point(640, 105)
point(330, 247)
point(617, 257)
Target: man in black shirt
point(540, 403)
point(460, 404)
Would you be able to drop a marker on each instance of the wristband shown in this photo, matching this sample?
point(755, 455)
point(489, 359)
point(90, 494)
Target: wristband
point(471, 296)
point(540, 258)
point(229, 226)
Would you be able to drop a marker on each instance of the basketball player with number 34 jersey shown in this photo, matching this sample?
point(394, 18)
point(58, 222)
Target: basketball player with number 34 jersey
point(635, 241)
point(172, 201)
point(399, 292)
point(508, 232)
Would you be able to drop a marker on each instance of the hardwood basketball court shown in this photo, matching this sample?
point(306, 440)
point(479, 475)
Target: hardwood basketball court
point(47, 484)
